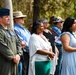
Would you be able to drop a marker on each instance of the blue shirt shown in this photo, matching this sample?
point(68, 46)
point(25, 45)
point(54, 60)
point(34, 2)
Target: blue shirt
point(23, 34)
point(56, 32)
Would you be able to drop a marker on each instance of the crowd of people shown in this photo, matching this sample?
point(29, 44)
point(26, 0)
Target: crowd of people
point(49, 48)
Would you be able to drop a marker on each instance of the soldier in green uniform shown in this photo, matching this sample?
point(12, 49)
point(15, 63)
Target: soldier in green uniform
point(10, 47)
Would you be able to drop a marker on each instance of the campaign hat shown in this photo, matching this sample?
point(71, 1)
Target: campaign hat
point(18, 14)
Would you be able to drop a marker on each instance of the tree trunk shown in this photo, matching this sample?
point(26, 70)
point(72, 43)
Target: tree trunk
point(36, 10)
point(8, 4)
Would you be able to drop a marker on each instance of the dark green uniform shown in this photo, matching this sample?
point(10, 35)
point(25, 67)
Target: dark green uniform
point(9, 46)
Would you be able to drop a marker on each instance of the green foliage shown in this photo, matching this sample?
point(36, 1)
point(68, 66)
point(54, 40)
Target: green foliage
point(63, 8)
point(1, 3)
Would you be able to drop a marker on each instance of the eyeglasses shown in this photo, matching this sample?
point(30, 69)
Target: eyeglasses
point(45, 22)
point(21, 18)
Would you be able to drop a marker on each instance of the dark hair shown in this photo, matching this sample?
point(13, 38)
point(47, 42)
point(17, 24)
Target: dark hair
point(52, 19)
point(35, 26)
point(68, 24)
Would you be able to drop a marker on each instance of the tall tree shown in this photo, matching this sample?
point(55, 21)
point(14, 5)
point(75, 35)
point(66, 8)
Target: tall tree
point(36, 10)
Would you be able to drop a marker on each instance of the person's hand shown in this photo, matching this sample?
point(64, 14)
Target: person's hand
point(51, 55)
point(23, 44)
point(16, 59)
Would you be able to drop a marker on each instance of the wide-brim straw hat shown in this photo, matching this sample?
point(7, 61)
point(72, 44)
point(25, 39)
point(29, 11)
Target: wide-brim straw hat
point(18, 14)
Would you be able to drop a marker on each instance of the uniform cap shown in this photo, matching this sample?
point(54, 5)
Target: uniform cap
point(4, 12)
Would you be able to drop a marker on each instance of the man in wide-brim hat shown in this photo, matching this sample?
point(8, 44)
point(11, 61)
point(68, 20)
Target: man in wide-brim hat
point(24, 36)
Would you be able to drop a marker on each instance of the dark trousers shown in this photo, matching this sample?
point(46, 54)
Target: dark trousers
point(25, 63)
point(59, 65)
